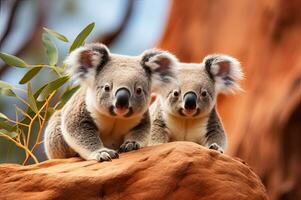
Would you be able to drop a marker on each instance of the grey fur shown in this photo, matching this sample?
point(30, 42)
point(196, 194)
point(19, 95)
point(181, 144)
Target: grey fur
point(138, 135)
point(89, 124)
point(215, 134)
point(171, 121)
point(159, 129)
point(54, 138)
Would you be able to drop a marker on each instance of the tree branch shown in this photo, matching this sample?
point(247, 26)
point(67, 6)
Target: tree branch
point(11, 21)
point(109, 38)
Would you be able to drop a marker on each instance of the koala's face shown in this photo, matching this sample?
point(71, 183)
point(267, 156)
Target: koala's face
point(117, 85)
point(199, 84)
point(194, 95)
point(122, 88)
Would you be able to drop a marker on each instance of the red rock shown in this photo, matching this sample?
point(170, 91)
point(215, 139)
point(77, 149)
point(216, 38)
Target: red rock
point(179, 170)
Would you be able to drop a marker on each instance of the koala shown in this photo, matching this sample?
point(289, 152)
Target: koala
point(109, 114)
point(188, 111)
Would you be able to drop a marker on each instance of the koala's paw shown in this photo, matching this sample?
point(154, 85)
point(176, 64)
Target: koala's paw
point(129, 146)
point(216, 147)
point(104, 154)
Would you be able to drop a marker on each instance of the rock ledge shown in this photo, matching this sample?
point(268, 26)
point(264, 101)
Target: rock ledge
point(178, 170)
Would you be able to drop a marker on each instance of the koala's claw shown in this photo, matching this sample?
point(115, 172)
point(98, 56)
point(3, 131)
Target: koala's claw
point(129, 146)
point(216, 147)
point(104, 154)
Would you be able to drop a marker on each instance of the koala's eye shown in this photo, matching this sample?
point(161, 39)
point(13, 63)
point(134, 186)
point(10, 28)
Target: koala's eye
point(204, 93)
point(176, 93)
point(107, 87)
point(138, 90)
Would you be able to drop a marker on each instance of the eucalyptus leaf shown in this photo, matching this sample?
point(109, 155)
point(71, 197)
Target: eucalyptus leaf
point(40, 104)
point(5, 125)
point(5, 85)
point(12, 60)
point(25, 119)
point(31, 99)
point(49, 113)
point(7, 92)
point(52, 86)
point(2, 116)
point(51, 49)
point(38, 92)
point(69, 93)
point(30, 74)
point(11, 134)
point(81, 37)
point(56, 34)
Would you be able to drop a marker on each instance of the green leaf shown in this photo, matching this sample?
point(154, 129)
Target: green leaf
point(68, 93)
point(51, 49)
point(38, 92)
point(5, 85)
point(52, 86)
point(7, 92)
point(30, 98)
point(2, 116)
point(49, 113)
point(30, 74)
point(56, 34)
point(4, 124)
point(11, 134)
point(57, 69)
point(6, 89)
point(12, 60)
point(80, 39)
point(25, 120)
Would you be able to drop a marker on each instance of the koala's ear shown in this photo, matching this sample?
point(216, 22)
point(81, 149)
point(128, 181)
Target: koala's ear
point(161, 67)
point(225, 71)
point(87, 60)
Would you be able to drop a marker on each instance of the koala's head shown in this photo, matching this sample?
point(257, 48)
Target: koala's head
point(118, 85)
point(199, 84)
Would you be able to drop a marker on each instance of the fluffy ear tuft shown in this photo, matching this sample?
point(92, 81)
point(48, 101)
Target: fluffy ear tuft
point(162, 67)
point(87, 60)
point(226, 72)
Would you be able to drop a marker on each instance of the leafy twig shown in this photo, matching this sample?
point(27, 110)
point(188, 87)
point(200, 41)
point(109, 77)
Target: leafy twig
point(46, 105)
point(20, 145)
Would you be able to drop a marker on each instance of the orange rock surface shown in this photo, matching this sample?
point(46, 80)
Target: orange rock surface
point(179, 170)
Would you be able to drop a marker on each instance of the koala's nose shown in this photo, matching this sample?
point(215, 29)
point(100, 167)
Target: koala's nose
point(122, 98)
point(190, 101)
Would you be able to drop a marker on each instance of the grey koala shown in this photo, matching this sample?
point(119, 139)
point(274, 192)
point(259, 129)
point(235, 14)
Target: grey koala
point(188, 111)
point(109, 114)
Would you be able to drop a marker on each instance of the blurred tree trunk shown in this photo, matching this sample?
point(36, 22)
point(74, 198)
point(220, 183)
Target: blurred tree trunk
point(264, 122)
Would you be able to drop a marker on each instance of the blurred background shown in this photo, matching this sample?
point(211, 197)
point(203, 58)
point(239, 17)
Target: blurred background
point(263, 123)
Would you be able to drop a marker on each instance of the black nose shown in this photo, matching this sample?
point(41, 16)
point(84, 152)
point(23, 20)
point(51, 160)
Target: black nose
point(122, 98)
point(190, 100)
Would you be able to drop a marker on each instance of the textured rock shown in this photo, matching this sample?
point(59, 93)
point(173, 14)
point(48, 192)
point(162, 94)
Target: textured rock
point(179, 170)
